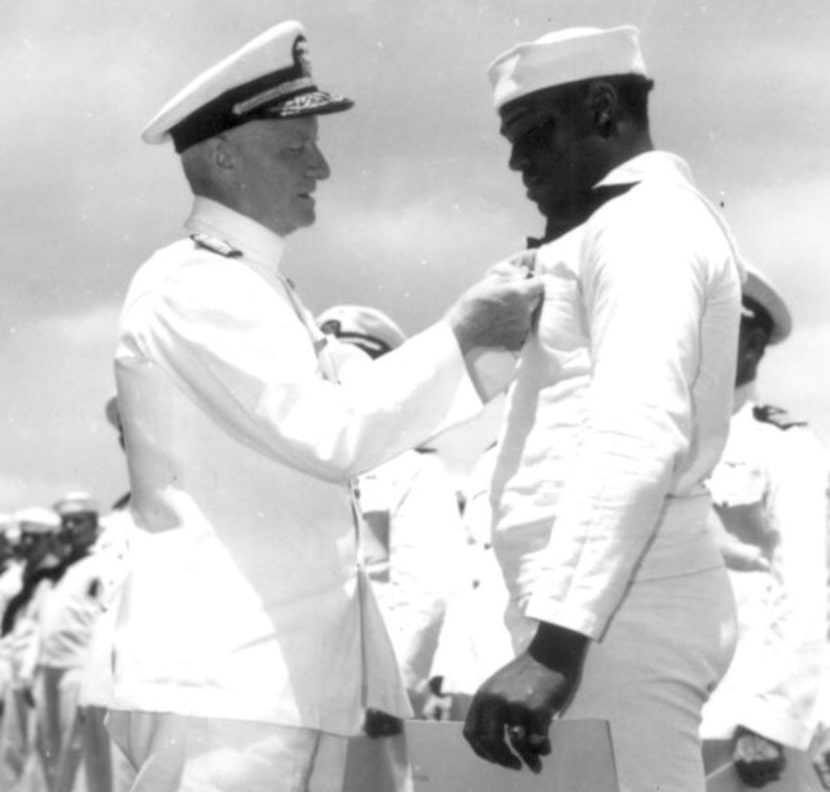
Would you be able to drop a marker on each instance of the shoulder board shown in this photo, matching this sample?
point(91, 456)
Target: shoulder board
point(215, 245)
point(766, 413)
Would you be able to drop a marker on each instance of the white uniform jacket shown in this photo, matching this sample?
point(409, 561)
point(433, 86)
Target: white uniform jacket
point(244, 599)
point(769, 488)
point(621, 402)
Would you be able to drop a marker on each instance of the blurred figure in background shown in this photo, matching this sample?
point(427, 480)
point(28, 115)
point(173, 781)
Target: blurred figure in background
point(66, 620)
point(106, 769)
point(11, 570)
point(768, 492)
point(415, 547)
point(38, 552)
point(11, 580)
point(474, 640)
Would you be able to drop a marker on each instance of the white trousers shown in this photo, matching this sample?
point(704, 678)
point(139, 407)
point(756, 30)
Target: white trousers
point(666, 648)
point(175, 753)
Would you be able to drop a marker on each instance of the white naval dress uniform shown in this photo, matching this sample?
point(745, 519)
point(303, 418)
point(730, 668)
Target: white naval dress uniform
point(245, 604)
point(11, 581)
point(105, 768)
point(618, 414)
point(770, 490)
point(67, 620)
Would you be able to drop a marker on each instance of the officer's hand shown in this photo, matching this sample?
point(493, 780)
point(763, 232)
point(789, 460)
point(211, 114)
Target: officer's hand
point(757, 759)
point(498, 311)
point(821, 760)
point(437, 708)
point(379, 724)
point(438, 704)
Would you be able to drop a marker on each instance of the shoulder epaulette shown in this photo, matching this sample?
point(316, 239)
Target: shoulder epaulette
point(215, 245)
point(766, 413)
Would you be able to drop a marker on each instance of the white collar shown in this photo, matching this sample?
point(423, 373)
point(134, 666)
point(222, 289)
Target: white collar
point(252, 238)
point(650, 165)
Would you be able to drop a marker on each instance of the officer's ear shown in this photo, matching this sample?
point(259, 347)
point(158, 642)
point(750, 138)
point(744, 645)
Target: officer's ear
point(602, 101)
point(223, 153)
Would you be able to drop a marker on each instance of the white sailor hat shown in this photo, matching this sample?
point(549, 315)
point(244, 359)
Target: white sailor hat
point(76, 503)
point(565, 56)
point(760, 293)
point(370, 329)
point(270, 77)
point(37, 520)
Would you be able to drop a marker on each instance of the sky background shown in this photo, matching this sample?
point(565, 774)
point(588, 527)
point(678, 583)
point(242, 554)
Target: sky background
point(420, 200)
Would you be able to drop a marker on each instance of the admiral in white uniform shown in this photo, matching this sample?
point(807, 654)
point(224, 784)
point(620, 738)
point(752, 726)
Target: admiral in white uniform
point(248, 644)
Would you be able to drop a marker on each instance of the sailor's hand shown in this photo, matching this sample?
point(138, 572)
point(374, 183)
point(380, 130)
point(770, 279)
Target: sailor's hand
point(514, 708)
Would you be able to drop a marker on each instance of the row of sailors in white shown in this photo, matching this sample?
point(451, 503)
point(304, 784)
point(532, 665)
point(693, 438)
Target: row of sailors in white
point(62, 576)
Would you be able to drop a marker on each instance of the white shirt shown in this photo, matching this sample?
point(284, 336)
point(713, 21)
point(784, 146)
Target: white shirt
point(244, 600)
point(113, 548)
point(11, 581)
point(621, 403)
point(769, 488)
point(69, 612)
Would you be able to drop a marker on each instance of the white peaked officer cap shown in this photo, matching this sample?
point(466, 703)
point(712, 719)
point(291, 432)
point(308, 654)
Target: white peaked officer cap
point(270, 77)
point(759, 291)
point(565, 56)
point(370, 329)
